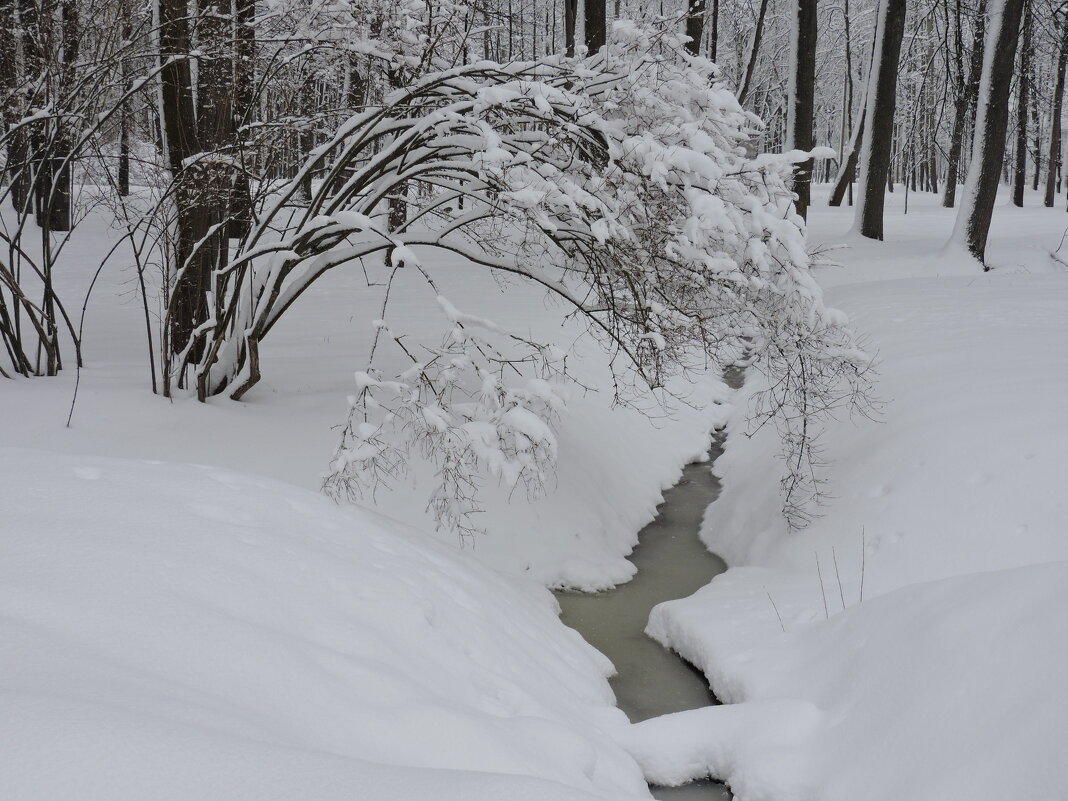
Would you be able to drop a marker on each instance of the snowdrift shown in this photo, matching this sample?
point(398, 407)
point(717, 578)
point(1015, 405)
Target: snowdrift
point(180, 632)
point(910, 642)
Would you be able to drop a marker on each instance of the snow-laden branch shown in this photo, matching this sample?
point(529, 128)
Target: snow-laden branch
point(619, 183)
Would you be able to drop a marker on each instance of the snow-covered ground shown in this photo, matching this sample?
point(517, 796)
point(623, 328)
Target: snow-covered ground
point(948, 514)
point(186, 632)
point(183, 615)
point(175, 630)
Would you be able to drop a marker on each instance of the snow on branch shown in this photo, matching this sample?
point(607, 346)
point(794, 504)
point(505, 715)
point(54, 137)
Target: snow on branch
point(620, 184)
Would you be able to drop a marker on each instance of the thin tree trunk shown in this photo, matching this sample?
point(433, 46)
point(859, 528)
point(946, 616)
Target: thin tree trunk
point(570, 19)
point(754, 51)
point(848, 168)
point(713, 34)
point(877, 150)
point(967, 94)
point(1020, 177)
point(1053, 162)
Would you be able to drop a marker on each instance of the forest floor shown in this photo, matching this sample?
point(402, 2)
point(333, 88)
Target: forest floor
point(183, 616)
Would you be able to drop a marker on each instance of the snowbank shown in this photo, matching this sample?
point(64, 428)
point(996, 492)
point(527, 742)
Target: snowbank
point(614, 459)
point(180, 632)
point(948, 517)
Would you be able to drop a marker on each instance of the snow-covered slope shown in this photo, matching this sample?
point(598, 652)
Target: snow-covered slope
point(614, 459)
point(948, 516)
point(180, 632)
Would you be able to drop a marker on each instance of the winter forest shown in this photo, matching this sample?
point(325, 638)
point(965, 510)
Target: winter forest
point(548, 400)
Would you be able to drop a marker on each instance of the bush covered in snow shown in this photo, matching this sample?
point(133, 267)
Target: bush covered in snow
point(620, 183)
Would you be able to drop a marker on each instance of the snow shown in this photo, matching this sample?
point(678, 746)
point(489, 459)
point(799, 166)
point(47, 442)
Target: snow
point(183, 615)
point(910, 642)
point(173, 632)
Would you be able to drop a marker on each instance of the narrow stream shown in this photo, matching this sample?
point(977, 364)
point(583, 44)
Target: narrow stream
point(672, 563)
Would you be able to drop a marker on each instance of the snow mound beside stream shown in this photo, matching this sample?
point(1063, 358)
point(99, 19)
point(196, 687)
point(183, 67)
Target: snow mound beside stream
point(178, 632)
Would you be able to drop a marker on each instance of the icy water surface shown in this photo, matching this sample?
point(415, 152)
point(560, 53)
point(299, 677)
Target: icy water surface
point(672, 563)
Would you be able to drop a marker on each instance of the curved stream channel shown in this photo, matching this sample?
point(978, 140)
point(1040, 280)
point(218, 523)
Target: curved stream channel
point(672, 563)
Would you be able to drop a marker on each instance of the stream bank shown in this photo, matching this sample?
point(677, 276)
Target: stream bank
point(672, 563)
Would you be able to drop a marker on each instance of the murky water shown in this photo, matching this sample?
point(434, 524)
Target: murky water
point(672, 563)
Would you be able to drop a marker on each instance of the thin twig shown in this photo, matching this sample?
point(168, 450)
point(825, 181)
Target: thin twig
point(841, 594)
point(823, 592)
point(773, 606)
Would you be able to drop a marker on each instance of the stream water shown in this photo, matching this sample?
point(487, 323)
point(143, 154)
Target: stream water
point(672, 563)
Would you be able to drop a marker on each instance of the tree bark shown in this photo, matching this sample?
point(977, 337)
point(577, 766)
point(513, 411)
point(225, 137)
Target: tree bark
point(754, 50)
point(877, 148)
point(695, 26)
point(991, 127)
point(1053, 163)
point(802, 100)
point(570, 19)
point(848, 168)
point(596, 25)
point(1020, 175)
point(967, 94)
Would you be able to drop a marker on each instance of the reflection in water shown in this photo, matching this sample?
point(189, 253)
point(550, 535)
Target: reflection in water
point(672, 563)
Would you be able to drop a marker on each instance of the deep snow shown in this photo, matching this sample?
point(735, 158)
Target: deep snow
point(169, 630)
point(945, 682)
point(183, 615)
point(179, 632)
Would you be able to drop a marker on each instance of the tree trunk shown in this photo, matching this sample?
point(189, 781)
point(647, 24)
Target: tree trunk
point(570, 18)
point(754, 50)
point(877, 149)
point(8, 73)
point(1053, 163)
point(596, 25)
point(802, 100)
point(991, 126)
point(1020, 176)
point(848, 168)
point(187, 305)
point(695, 26)
point(55, 183)
point(967, 93)
point(713, 35)
point(22, 157)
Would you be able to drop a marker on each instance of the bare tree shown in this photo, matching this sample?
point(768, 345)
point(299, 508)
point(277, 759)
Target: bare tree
point(1053, 163)
point(802, 99)
point(991, 126)
point(880, 105)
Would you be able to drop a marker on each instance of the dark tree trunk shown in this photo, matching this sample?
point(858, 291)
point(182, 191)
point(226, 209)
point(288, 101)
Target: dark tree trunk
point(1053, 162)
point(878, 145)
point(713, 34)
point(244, 115)
point(187, 305)
point(570, 19)
point(967, 93)
point(596, 25)
point(754, 51)
point(802, 103)
point(8, 71)
point(1020, 176)
point(991, 127)
point(22, 157)
point(848, 168)
point(55, 184)
point(695, 26)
